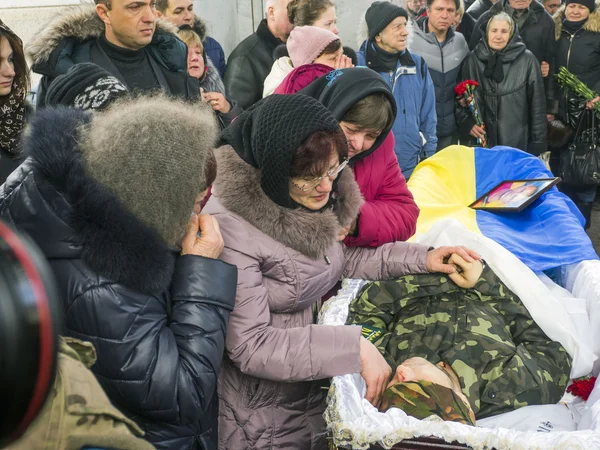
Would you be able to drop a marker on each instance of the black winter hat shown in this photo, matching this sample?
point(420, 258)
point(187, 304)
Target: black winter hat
point(85, 86)
point(267, 135)
point(380, 14)
point(590, 4)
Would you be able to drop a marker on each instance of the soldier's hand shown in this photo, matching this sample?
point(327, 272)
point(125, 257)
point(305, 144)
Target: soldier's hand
point(469, 272)
point(436, 257)
point(376, 371)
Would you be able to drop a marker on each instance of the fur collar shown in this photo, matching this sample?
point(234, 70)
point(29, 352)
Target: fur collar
point(213, 81)
point(592, 24)
point(113, 242)
point(238, 189)
point(81, 23)
point(200, 28)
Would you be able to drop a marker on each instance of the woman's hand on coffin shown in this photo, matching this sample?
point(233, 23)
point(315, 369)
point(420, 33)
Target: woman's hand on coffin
point(467, 273)
point(375, 371)
point(436, 257)
point(202, 237)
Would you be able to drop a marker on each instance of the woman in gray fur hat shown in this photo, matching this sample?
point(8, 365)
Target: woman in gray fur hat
point(108, 197)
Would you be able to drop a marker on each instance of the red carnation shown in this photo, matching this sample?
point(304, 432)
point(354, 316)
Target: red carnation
point(582, 388)
point(461, 87)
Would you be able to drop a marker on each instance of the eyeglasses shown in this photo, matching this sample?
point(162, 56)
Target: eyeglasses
point(332, 174)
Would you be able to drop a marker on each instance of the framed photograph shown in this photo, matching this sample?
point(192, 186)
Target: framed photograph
point(514, 195)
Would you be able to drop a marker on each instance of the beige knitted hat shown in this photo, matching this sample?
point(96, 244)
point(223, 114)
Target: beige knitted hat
point(152, 152)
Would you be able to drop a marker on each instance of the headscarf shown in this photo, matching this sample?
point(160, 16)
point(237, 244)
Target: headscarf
point(341, 89)
point(422, 399)
point(267, 135)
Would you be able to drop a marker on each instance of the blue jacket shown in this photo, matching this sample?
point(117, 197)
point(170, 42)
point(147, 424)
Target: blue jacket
point(215, 52)
point(415, 98)
point(443, 60)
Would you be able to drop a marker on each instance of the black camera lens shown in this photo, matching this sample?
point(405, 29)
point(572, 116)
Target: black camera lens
point(29, 327)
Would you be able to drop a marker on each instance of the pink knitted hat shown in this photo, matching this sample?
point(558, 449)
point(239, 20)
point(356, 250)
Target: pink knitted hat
point(305, 44)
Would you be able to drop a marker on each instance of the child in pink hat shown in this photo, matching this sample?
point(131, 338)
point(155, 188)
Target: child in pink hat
point(313, 52)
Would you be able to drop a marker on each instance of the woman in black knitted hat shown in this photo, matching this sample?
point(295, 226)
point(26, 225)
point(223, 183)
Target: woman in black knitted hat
point(14, 85)
point(281, 196)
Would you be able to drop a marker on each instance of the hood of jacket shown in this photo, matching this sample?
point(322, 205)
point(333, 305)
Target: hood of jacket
point(81, 23)
point(592, 24)
point(238, 189)
point(78, 218)
point(512, 51)
point(341, 89)
point(200, 28)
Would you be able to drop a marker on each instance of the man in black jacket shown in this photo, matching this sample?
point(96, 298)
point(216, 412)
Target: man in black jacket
point(251, 61)
point(477, 8)
point(108, 197)
point(536, 29)
point(123, 37)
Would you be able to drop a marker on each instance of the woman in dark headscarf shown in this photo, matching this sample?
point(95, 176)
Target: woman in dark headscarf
point(14, 84)
point(512, 98)
point(281, 196)
point(362, 103)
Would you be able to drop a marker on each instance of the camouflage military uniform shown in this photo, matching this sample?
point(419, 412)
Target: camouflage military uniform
point(78, 413)
point(503, 359)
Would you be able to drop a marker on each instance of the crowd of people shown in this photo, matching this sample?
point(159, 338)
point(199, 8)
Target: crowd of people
point(197, 211)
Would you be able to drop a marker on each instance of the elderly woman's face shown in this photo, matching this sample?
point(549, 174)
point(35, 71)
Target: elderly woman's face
point(498, 34)
point(315, 197)
point(195, 62)
point(7, 67)
point(574, 12)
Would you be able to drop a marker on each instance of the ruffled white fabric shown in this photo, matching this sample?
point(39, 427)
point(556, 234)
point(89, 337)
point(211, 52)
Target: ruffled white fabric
point(356, 423)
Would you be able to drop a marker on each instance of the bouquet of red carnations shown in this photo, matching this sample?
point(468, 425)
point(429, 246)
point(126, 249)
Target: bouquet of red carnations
point(467, 90)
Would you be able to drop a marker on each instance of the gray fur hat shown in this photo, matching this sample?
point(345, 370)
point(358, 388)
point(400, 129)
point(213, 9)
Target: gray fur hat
point(152, 153)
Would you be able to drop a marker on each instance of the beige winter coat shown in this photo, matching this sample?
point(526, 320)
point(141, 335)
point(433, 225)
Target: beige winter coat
point(277, 360)
point(281, 68)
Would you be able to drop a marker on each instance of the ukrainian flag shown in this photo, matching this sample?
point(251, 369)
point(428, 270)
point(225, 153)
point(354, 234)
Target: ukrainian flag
point(547, 234)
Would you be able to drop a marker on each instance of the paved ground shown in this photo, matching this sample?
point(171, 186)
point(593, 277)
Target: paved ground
point(594, 231)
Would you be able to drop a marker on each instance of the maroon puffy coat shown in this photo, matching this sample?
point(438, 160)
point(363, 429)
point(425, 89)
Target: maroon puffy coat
point(389, 213)
point(301, 77)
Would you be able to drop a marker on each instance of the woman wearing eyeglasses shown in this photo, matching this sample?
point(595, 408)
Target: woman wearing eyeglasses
point(281, 196)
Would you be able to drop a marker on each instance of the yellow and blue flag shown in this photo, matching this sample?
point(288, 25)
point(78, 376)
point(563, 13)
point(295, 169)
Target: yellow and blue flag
point(547, 234)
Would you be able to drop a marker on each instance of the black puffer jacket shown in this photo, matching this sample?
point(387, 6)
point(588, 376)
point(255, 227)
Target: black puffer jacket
point(477, 9)
point(248, 66)
point(538, 35)
point(159, 351)
point(514, 109)
point(579, 52)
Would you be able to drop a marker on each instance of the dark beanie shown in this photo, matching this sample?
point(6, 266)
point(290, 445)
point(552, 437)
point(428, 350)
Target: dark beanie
point(590, 4)
point(380, 14)
point(267, 135)
point(85, 86)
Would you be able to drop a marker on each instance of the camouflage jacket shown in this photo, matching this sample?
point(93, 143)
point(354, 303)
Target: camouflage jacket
point(503, 359)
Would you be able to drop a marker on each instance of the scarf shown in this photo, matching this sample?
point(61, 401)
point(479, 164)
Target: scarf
point(574, 27)
point(493, 69)
point(422, 399)
point(381, 61)
point(12, 119)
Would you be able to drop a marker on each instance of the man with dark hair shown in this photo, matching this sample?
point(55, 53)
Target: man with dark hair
point(444, 50)
point(181, 12)
point(536, 29)
point(407, 75)
point(121, 36)
point(251, 61)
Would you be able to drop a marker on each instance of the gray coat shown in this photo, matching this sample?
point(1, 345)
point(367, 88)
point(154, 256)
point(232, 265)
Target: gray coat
point(277, 359)
point(443, 61)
